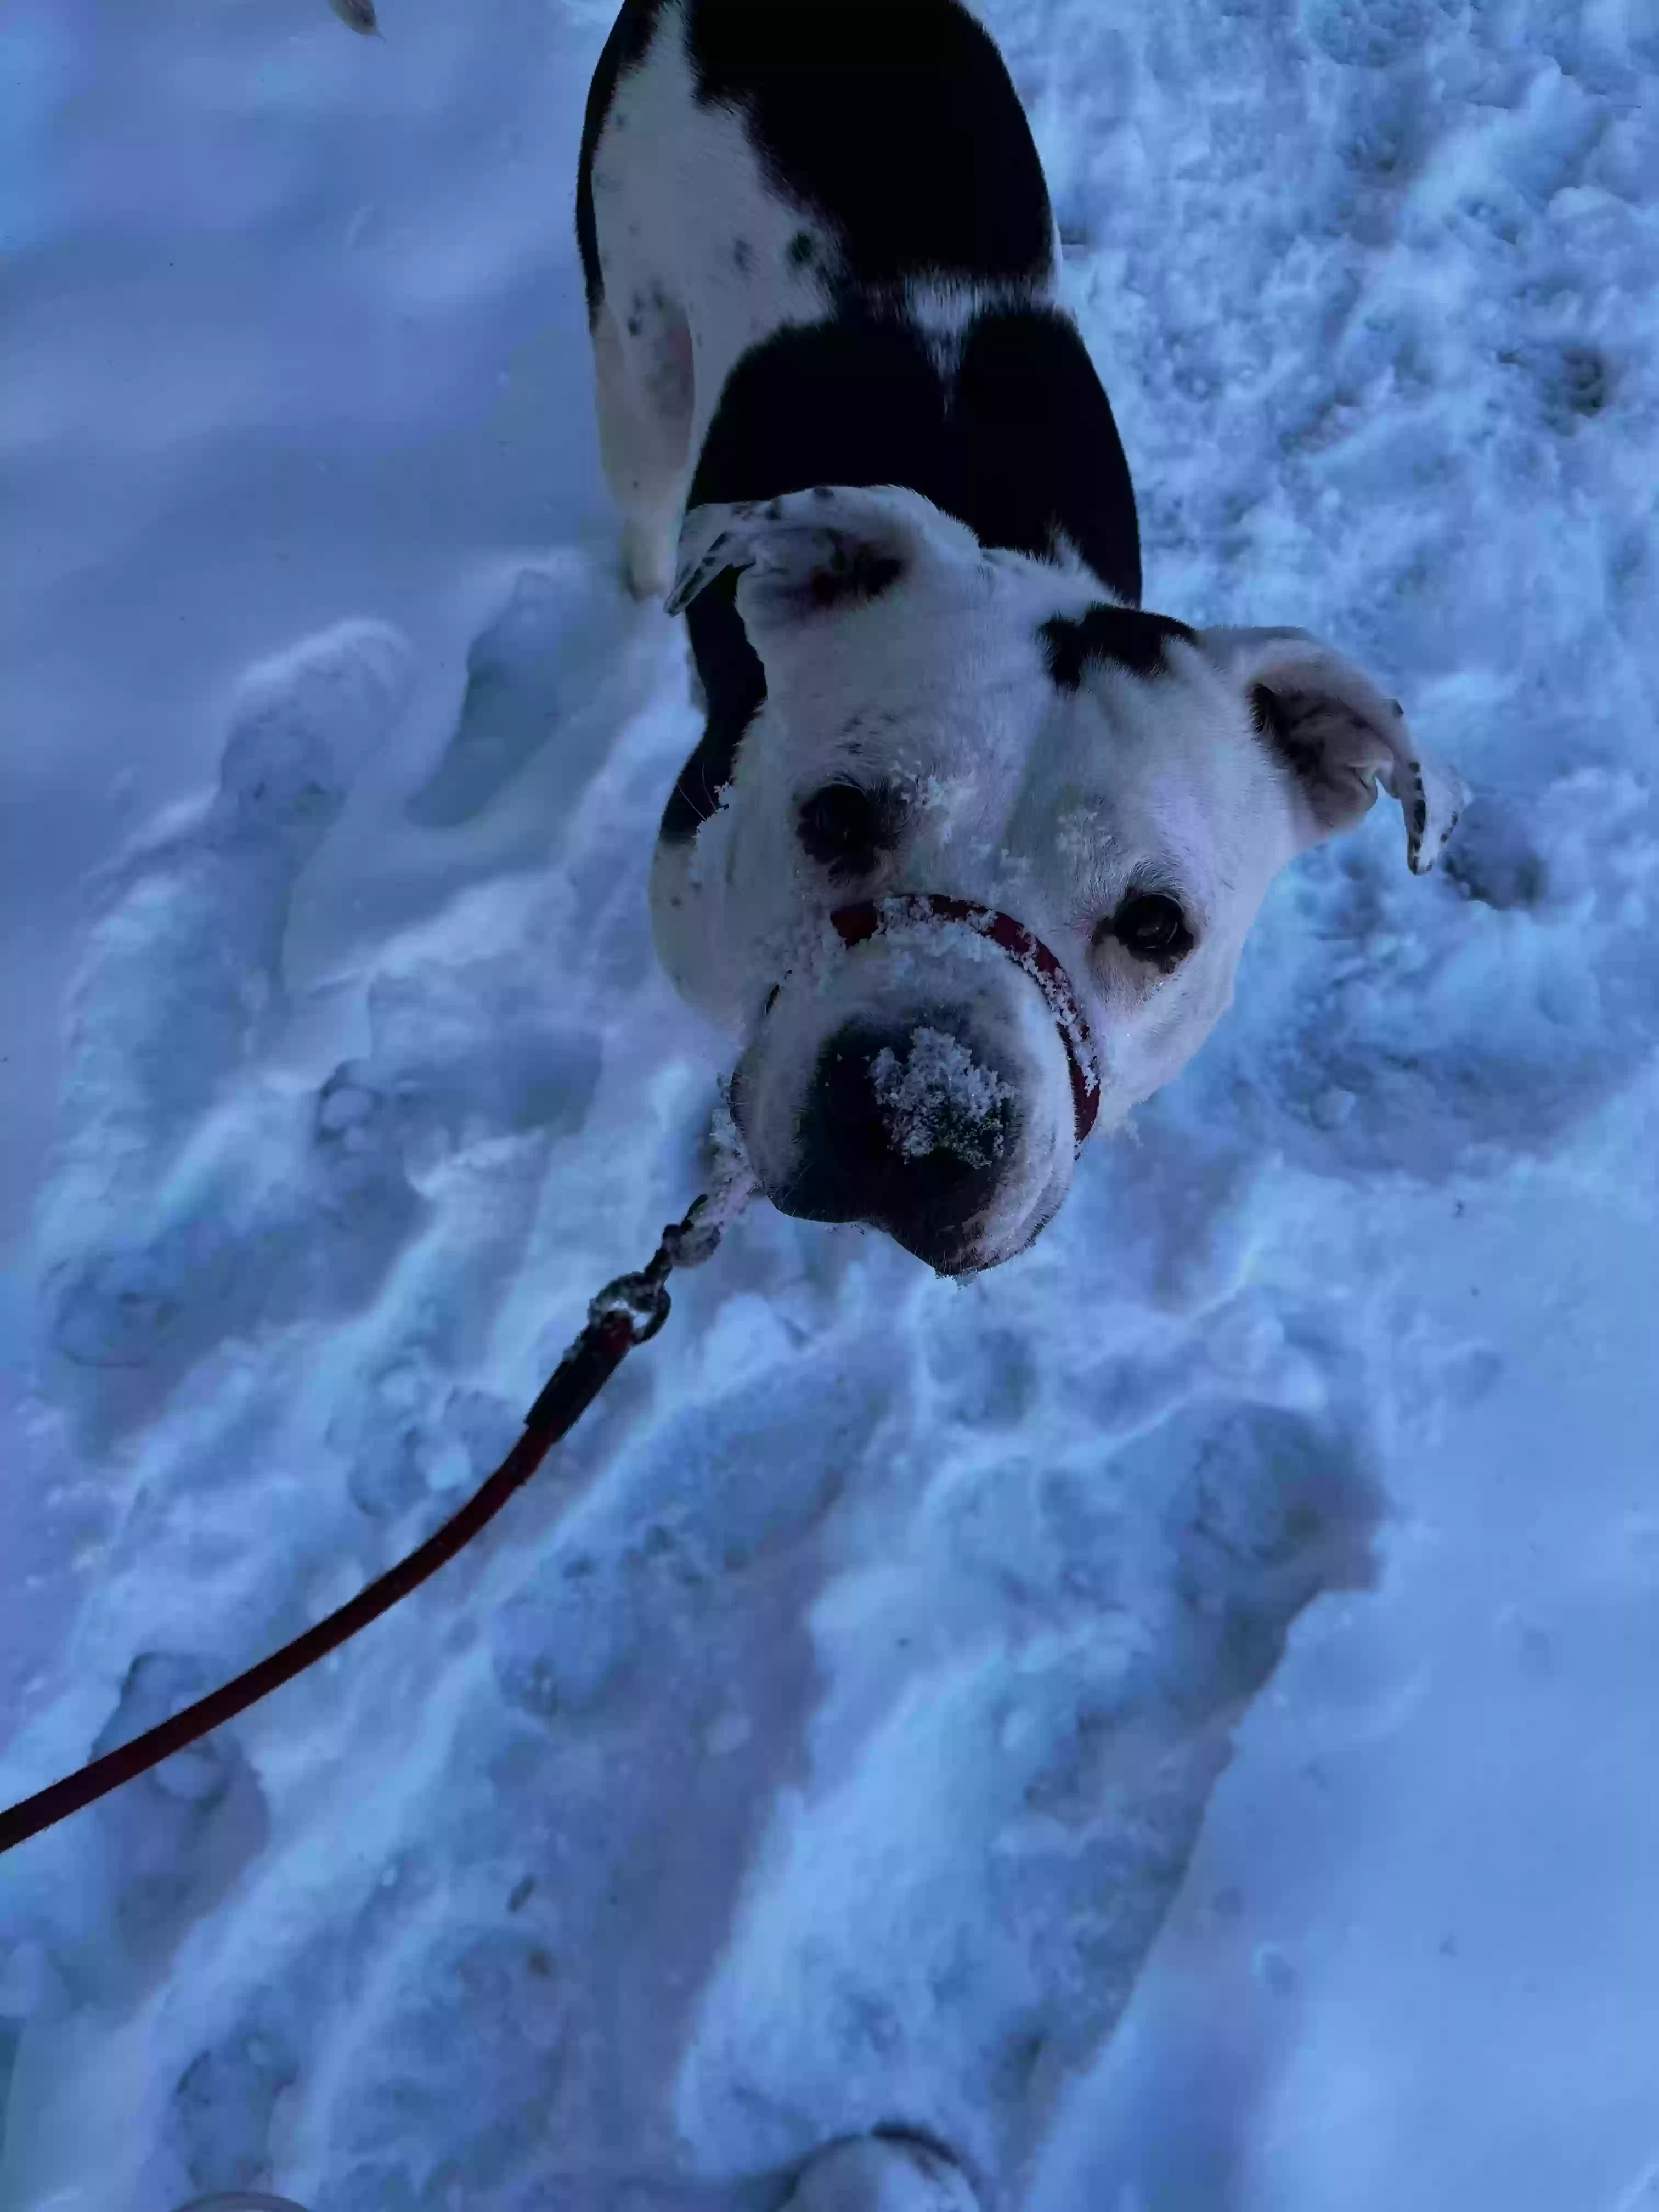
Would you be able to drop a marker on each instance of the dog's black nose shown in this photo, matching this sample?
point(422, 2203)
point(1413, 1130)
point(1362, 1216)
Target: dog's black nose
point(912, 1130)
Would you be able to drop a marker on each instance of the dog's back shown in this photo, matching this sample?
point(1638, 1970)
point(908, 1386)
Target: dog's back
point(819, 248)
point(890, 126)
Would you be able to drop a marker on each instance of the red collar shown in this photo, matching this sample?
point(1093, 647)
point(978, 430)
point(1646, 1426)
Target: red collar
point(855, 924)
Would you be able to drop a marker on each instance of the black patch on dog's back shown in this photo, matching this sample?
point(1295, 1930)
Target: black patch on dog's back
point(1040, 448)
point(894, 120)
point(836, 403)
point(1018, 442)
point(1125, 636)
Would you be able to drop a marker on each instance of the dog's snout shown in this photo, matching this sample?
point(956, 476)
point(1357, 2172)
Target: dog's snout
point(912, 1129)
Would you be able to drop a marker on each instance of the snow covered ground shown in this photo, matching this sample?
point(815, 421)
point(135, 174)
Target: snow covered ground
point(840, 1732)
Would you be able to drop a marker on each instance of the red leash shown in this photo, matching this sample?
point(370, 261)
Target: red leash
point(626, 1312)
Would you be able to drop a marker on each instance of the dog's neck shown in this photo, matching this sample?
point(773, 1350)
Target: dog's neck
point(1006, 428)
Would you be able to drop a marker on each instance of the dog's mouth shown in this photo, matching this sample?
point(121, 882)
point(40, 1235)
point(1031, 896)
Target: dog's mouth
point(929, 1110)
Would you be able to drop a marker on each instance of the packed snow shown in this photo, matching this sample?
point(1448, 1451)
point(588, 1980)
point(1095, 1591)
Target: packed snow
point(1171, 1719)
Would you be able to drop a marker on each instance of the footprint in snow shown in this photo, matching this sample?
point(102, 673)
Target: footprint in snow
point(180, 987)
point(1096, 1631)
point(182, 971)
point(174, 1840)
point(551, 659)
point(196, 1198)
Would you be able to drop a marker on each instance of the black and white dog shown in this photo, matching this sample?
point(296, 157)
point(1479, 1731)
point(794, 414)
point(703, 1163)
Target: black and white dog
point(969, 848)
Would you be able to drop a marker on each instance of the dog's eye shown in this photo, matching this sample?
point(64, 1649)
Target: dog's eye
point(1151, 926)
point(846, 829)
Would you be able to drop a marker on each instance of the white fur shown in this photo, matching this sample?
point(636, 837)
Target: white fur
point(675, 187)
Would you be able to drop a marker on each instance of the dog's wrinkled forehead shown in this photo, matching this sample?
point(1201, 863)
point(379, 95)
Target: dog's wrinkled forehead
point(878, 590)
point(1008, 700)
point(885, 630)
point(811, 563)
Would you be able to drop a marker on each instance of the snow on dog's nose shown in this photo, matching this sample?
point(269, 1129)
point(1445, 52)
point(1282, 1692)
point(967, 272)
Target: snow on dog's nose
point(911, 1130)
point(916, 1081)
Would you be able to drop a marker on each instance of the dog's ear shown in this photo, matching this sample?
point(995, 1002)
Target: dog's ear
point(810, 552)
point(1340, 737)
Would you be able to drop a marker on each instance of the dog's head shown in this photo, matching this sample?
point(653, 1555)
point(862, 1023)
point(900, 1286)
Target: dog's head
point(972, 770)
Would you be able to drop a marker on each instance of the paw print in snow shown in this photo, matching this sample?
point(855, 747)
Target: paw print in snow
point(197, 1198)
